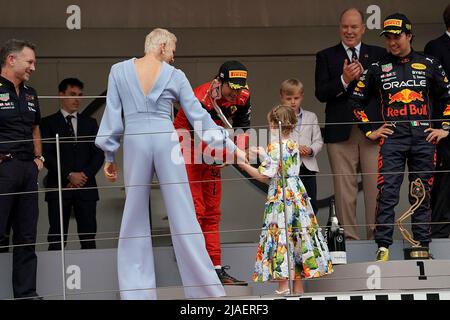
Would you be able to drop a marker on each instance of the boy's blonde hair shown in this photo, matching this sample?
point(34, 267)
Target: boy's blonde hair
point(286, 115)
point(157, 37)
point(291, 86)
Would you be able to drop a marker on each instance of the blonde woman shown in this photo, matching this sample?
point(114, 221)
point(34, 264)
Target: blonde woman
point(143, 90)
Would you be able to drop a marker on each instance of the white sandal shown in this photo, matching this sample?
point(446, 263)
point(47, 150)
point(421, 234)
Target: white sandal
point(282, 292)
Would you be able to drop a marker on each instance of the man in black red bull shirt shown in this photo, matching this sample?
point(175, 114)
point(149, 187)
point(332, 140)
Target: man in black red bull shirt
point(406, 82)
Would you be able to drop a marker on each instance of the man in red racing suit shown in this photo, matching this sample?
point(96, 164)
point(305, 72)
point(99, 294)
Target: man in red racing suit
point(229, 93)
point(406, 83)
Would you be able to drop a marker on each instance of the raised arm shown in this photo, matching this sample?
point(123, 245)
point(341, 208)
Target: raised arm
point(214, 136)
point(328, 87)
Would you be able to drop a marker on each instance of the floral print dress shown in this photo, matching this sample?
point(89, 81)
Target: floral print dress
point(309, 252)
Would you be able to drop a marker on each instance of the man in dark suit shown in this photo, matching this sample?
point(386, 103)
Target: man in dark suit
point(338, 70)
point(440, 202)
point(80, 161)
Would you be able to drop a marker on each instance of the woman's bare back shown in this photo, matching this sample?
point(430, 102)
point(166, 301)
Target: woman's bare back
point(147, 72)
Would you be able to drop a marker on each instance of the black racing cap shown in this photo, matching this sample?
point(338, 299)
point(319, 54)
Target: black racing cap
point(234, 73)
point(396, 24)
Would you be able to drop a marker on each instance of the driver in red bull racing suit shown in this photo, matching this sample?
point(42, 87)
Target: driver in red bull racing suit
point(406, 82)
point(226, 98)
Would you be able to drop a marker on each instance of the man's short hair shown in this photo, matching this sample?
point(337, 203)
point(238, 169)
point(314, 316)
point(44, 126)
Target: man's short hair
point(350, 9)
point(447, 16)
point(291, 86)
point(70, 82)
point(13, 46)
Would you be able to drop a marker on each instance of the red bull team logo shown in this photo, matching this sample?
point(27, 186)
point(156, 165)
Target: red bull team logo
point(361, 116)
point(408, 109)
point(405, 96)
point(447, 111)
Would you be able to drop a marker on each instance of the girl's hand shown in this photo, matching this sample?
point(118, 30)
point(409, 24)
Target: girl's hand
point(241, 156)
point(110, 171)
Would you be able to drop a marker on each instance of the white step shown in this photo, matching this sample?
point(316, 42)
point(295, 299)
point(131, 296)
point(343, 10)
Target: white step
point(390, 275)
point(175, 293)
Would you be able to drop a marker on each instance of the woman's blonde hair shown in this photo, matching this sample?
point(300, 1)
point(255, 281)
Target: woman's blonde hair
point(157, 37)
point(286, 115)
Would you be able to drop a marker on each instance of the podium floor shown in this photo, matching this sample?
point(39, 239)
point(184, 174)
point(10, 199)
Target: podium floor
point(92, 274)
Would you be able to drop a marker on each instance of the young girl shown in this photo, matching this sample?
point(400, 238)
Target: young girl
point(309, 256)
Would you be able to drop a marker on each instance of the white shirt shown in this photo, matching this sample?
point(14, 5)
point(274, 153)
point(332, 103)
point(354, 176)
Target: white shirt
point(74, 119)
point(349, 54)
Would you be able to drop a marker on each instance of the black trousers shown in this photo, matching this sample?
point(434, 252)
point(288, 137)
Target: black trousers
point(440, 199)
point(309, 181)
point(22, 210)
point(394, 153)
point(85, 216)
point(4, 244)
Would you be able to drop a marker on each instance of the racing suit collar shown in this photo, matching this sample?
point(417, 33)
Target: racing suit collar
point(404, 59)
point(6, 82)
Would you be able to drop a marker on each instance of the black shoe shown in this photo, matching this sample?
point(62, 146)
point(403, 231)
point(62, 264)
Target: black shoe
point(228, 280)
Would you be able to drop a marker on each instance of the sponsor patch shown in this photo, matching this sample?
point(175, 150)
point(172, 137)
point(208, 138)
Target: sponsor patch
point(419, 124)
point(418, 66)
point(386, 67)
point(237, 74)
point(388, 79)
point(360, 84)
point(405, 96)
point(361, 116)
point(7, 105)
point(388, 75)
point(4, 97)
point(393, 23)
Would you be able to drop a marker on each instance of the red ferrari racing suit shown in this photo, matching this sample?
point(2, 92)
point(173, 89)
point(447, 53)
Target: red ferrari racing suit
point(204, 179)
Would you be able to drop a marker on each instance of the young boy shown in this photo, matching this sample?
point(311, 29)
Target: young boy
point(307, 134)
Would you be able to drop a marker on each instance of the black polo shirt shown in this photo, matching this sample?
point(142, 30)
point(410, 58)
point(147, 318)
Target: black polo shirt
point(18, 115)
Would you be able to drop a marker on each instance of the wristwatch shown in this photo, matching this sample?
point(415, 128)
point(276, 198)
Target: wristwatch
point(40, 158)
point(446, 126)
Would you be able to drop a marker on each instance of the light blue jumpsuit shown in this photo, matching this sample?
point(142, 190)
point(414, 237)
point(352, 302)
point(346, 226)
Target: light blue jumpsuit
point(151, 145)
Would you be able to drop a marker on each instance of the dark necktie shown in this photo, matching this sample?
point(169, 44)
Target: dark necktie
point(354, 55)
point(70, 125)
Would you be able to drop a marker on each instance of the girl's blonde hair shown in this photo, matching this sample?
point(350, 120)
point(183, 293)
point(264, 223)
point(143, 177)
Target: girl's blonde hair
point(157, 37)
point(286, 115)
